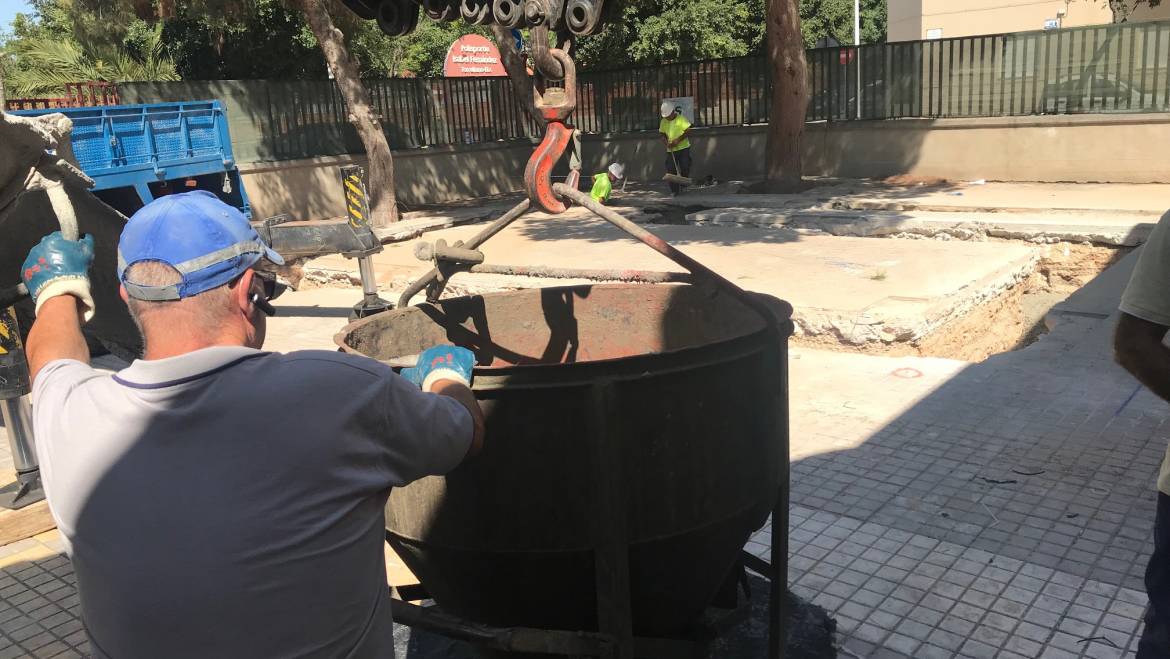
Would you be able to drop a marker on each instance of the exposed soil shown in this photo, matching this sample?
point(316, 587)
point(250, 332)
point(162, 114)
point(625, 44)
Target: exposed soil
point(1010, 321)
point(905, 180)
point(1016, 319)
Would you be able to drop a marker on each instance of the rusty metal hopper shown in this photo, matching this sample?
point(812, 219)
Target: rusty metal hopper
point(654, 416)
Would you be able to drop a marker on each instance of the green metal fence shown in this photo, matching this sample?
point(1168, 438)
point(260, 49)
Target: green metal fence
point(1114, 68)
point(309, 117)
point(1108, 68)
point(726, 92)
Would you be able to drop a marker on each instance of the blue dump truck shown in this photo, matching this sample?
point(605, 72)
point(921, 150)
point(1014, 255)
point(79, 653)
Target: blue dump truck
point(136, 153)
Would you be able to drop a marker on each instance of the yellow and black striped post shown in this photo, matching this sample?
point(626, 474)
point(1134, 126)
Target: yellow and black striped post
point(357, 200)
point(14, 381)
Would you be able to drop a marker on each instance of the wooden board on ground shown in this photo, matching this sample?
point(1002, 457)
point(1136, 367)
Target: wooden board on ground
point(16, 525)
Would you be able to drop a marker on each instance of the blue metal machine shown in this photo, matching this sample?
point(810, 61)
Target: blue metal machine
point(135, 153)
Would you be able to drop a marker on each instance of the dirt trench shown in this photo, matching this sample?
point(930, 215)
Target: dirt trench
point(1009, 321)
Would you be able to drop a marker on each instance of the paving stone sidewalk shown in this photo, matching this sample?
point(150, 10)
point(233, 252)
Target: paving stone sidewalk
point(1007, 513)
point(940, 509)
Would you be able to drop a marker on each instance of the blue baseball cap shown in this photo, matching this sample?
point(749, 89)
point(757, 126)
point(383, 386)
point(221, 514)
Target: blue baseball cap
point(209, 242)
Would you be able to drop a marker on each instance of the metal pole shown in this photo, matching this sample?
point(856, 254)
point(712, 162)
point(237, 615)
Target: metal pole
point(857, 49)
point(371, 303)
point(369, 284)
point(17, 414)
point(478, 239)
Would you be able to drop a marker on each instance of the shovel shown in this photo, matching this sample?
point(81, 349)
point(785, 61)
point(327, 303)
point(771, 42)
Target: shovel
point(675, 178)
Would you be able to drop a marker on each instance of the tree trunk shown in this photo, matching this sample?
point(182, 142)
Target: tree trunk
point(3, 95)
point(380, 168)
point(1121, 9)
point(789, 96)
point(517, 70)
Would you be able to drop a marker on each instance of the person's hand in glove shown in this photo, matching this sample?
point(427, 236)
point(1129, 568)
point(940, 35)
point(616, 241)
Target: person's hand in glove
point(58, 266)
point(441, 363)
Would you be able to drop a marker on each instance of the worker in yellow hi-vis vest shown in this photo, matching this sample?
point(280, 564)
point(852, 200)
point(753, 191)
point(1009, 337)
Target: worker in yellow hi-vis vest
point(603, 182)
point(675, 130)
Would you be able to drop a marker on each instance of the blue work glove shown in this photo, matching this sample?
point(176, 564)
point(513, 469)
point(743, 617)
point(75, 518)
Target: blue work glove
point(57, 266)
point(441, 363)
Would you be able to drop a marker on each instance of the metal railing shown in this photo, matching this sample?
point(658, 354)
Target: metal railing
point(726, 92)
point(309, 118)
point(77, 95)
point(1107, 68)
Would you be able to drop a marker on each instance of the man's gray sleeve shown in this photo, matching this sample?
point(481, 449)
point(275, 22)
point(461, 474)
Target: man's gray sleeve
point(55, 383)
point(429, 434)
point(1148, 294)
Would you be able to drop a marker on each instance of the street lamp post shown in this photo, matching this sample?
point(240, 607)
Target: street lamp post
point(857, 49)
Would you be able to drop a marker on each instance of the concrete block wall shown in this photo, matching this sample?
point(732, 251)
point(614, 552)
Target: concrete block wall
point(1102, 148)
point(311, 188)
point(1080, 148)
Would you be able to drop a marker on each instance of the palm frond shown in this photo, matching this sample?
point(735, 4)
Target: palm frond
point(43, 66)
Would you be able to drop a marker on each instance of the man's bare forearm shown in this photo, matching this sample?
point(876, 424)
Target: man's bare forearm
point(464, 395)
point(56, 334)
point(1139, 349)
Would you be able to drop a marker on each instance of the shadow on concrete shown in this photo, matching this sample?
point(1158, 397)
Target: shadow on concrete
point(42, 618)
point(40, 604)
point(1028, 455)
point(298, 311)
point(597, 230)
point(1025, 456)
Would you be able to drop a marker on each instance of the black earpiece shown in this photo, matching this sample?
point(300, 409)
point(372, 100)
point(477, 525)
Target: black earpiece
point(263, 305)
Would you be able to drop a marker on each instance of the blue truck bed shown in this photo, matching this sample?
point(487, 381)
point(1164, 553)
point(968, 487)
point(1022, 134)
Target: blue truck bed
point(155, 149)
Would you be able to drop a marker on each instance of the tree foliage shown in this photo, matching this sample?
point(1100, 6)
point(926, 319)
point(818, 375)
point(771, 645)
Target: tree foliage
point(251, 39)
point(59, 44)
point(426, 48)
point(647, 32)
point(662, 31)
point(207, 48)
point(834, 18)
point(1122, 9)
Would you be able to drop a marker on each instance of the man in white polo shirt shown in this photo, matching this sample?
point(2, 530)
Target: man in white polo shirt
point(218, 500)
point(1140, 346)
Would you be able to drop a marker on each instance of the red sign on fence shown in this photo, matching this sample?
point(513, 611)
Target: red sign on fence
point(473, 55)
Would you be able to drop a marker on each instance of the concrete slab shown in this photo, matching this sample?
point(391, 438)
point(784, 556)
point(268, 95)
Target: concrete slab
point(1098, 227)
point(1145, 199)
point(856, 290)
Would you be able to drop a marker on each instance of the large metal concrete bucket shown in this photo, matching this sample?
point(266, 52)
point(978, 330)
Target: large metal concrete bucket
point(32, 219)
point(672, 397)
point(28, 212)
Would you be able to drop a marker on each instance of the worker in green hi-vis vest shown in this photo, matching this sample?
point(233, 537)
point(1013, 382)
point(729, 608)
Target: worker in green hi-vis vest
point(603, 182)
point(675, 131)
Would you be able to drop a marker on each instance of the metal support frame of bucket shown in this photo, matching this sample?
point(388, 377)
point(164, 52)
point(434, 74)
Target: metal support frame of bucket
point(615, 640)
